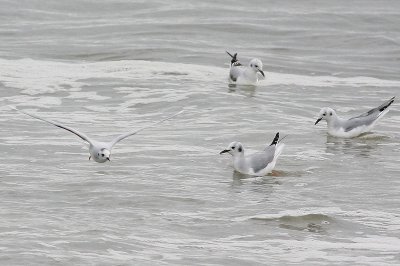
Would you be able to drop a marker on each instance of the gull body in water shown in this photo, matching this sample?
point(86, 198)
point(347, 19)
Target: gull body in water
point(355, 126)
point(256, 164)
point(245, 75)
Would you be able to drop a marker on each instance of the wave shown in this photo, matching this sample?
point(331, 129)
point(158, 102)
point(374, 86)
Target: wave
point(308, 215)
point(34, 77)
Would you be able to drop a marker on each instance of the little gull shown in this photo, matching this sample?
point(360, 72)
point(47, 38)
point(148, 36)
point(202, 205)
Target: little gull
point(245, 75)
point(353, 127)
point(99, 151)
point(256, 164)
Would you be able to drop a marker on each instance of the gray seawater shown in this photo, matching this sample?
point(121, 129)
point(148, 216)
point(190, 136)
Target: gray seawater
point(167, 197)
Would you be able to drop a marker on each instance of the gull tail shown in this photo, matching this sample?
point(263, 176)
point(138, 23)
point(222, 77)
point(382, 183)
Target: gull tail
point(234, 60)
point(278, 150)
point(277, 146)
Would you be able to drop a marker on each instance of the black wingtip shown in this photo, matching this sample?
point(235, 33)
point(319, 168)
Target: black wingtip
point(234, 57)
point(387, 104)
point(276, 139)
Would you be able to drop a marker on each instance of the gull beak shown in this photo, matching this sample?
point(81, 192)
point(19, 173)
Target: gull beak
point(262, 72)
point(108, 158)
point(224, 151)
point(319, 119)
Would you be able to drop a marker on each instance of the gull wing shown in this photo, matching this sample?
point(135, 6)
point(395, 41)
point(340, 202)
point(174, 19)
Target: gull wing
point(234, 60)
point(377, 110)
point(236, 67)
point(260, 160)
point(369, 117)
point(73, 131)
point(235, 72)
point(123, 136)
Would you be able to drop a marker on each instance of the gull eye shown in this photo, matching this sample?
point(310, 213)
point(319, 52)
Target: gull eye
point(102, 154)
point(251, 65)
point(324, 114)
point(256, 66)
point(233, 147)
point(330, 113)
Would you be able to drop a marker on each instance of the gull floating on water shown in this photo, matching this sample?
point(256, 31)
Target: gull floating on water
point(256, 164)
point(99, 151)
point(246, 75)
point(353, 127)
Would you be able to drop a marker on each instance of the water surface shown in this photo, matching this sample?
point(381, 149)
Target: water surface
point(168, 197)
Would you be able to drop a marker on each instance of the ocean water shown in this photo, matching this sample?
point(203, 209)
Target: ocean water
point(168, 197)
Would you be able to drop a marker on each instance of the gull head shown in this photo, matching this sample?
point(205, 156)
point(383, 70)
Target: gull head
point(104, 155)
point(326, 113)
point(235, 148)
point(256, 65)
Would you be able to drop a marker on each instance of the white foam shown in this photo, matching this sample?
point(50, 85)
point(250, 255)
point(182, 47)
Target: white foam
point(326, 81)
point(34, 77)
point(91, 95)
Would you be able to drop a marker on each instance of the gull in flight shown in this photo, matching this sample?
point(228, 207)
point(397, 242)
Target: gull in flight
point(246, 75)
point(256, 164)
point(99, 151)
point(355, 126)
